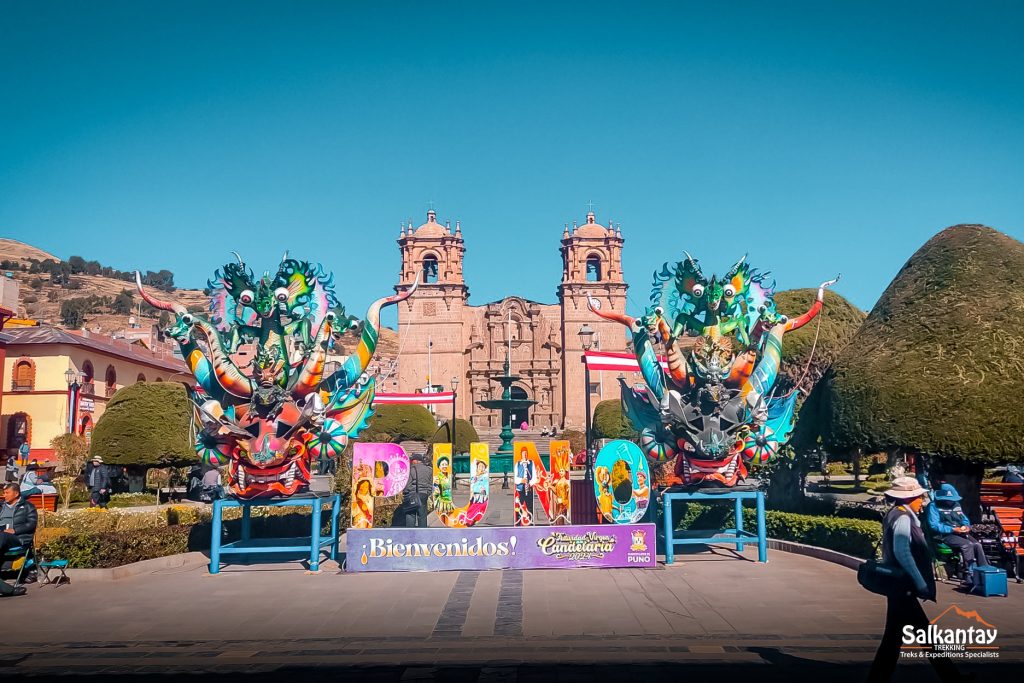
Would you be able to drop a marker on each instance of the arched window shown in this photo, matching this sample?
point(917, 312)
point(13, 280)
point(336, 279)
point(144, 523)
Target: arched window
point(159, 379)
point(24, 376)
point(111, 380)
point(593, 268)
point(429, 268)
point(141, 377)
point(19, 431)
point(88, 384)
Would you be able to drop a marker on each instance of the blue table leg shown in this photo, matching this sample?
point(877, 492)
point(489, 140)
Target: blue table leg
point(669, 538)
point(738, 510)
point(314, 546)
point(762, 534)
point(218, 507)
point(335, 519)
point(246, 521)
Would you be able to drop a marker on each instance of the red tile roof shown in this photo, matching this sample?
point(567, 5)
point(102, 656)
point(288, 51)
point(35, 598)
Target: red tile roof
point(101, 344)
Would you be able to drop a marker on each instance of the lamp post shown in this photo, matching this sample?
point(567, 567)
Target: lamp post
point(455, 387)
point(74, 383)
point(586, 341)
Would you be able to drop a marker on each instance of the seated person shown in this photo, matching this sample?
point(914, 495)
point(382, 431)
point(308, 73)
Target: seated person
point(1013, 475)
point(18, 519)
point(34, 483)
point(950, 525)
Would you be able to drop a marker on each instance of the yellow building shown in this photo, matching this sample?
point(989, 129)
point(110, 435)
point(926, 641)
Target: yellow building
point(40, 399)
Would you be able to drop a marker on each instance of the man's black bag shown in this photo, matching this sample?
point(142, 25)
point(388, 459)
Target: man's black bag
point(882, 579)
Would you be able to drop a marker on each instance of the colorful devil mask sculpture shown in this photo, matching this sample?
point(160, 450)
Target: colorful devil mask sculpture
point(711, 408)
point(271, 417)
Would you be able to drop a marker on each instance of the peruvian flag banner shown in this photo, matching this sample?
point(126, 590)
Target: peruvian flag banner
point(622, 362)
point(441, 397)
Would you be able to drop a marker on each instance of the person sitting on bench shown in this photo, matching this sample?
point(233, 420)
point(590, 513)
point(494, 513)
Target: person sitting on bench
point(18, 519)
point(950, 524)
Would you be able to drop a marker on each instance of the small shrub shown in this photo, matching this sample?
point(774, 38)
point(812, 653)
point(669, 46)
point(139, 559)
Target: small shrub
point(189, 515)
point(126, 500)
point(46, 534)
point(857, 537)
point(104, 550)
point(577, 440)
point(838, 468)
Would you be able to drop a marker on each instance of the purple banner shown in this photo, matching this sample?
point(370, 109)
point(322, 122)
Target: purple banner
point(531, 547)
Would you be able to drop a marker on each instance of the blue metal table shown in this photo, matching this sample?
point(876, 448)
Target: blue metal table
point(312, 544)
point(738, 535)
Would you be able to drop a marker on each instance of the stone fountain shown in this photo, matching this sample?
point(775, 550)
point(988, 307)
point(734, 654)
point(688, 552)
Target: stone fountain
point(506, 404)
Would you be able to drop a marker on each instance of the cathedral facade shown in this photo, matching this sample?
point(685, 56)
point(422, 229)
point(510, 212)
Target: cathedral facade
point(442, 336)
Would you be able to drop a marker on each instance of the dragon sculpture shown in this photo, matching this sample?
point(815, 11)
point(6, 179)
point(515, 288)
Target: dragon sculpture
point(709, 404)
point(270, 417)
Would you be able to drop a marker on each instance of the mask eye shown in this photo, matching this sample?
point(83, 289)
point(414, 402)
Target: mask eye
point(637, 326)
point(698, 290)
point(730, 291)
point(186, 319)
point(659, 311)
point(331, 315)
point(281, 294)
point(246, 297)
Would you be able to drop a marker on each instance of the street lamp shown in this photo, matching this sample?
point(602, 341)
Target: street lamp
point(586, 341)
point(455, 385)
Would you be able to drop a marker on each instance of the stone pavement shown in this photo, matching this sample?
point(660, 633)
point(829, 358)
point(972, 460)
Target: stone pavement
point(712, 609)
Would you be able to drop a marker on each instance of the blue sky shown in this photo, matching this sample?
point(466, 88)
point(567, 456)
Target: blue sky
point(818, 137)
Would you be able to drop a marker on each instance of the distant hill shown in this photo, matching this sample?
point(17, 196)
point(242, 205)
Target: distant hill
point(41, 299)
point(13, 250)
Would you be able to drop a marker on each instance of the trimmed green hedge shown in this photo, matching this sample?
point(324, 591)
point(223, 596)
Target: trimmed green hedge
point(465, 434)
point(113, 549)
point(856, 537)
point(610, 422)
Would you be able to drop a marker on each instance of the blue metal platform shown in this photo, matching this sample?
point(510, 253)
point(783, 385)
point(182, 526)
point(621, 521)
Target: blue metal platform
point(739, 535)
point(312, 544)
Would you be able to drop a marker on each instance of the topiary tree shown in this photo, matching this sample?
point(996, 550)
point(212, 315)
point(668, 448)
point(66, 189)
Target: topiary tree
point(465, 434)
point(393, 423)
point(819, 342)
point(610, 422)
point(936, 367)
point(148, 424)
point(577, 440)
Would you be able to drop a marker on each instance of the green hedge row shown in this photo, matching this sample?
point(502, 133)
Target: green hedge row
point(857, 537)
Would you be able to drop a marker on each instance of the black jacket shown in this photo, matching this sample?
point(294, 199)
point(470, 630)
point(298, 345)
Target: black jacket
point(102, 477)
point(25, 519)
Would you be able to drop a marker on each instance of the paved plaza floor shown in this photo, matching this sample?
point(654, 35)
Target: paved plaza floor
point(714, 611)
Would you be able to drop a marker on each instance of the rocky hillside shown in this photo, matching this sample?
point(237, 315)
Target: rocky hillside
point(42, 297)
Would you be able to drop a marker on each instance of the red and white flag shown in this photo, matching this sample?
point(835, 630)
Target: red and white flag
point(441, 397)
point(622, 362)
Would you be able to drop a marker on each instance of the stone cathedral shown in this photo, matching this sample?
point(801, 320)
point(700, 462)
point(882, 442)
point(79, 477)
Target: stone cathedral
point(442, 336)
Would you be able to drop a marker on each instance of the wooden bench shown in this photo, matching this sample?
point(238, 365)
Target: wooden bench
point(1010, 520)
point(997, 494)
point(46, 502)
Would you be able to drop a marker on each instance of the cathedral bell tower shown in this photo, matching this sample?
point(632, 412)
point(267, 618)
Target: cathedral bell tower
point(430, 322)
point(591, 266)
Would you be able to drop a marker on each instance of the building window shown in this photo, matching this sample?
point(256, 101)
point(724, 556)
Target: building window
point(88, 384)
point(141, 377)
point(24, 376)
point(111, 380)
point(429, 269)
point(86, 428)
point(593, 269)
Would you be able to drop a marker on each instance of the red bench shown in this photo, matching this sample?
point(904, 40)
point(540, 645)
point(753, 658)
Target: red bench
point(47, 502)
point(997, 494)
point(1010, 520)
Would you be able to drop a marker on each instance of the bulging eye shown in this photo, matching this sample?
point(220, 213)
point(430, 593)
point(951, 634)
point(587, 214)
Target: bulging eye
point(698, 290)
point(281, 294)
point(246, 297)
point(659, 310)
point(637, 326)
point(331, 315)
point(186, 319)
point(730, 291)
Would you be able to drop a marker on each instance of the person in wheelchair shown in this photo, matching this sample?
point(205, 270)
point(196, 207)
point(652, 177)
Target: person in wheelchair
point(951, 526)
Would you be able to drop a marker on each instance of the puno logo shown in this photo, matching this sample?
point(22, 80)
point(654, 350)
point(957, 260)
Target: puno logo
point(969, 632)
point(639, 543)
